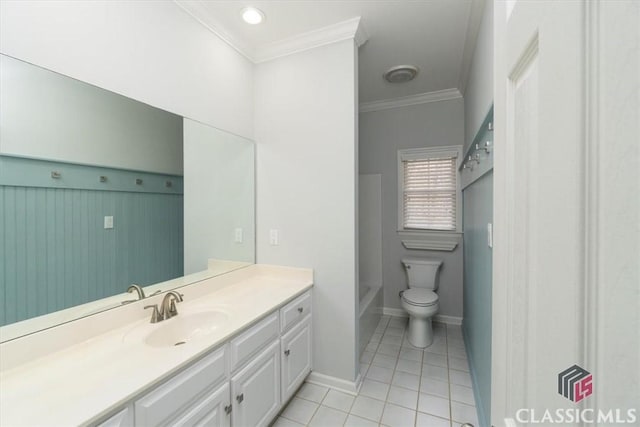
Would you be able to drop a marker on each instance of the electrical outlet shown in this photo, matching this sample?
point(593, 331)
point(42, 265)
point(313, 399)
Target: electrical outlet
point(238, 235)
point(490, 235)
point(274, 238)
point(108, 222)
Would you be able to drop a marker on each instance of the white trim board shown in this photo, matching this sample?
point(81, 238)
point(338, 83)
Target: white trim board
point(350, 387)
point(406, 101)
point(441, 318)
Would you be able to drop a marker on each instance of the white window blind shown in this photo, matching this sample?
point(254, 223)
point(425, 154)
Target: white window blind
point(430, 193)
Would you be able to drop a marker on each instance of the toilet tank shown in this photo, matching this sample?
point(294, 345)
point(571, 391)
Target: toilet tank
point(422, 272)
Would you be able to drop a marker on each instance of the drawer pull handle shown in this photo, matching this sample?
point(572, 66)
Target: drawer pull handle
point(300, 309)
point(240, 398)
point(287, 352)
point(227, 409)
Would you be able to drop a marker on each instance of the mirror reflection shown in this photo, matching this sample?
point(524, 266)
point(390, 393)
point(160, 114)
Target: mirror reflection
point(94, 195)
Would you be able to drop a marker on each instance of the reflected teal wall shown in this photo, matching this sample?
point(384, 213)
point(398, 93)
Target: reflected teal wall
point(477, 213)
point(54, 250)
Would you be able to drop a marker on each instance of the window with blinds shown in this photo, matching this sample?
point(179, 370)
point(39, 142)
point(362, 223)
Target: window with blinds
point(429, 190)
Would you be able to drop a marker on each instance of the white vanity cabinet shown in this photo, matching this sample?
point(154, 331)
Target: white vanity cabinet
point(296, 359)
point(244, 382)
point(255, 390)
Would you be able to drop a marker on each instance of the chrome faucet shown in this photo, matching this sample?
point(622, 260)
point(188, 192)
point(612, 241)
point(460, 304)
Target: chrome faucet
point(168, 307)
point(138, 289)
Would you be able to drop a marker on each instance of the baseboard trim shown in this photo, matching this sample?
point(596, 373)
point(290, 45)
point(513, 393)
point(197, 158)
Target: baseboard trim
point(350, 387)
point(398, 312)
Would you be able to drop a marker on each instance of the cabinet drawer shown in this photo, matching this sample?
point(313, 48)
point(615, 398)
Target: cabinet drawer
point(250, 342)
point(172, 397)
point(210, 411)
point(295, 311)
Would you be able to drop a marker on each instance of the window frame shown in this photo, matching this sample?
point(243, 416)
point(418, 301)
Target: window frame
point(427, 153)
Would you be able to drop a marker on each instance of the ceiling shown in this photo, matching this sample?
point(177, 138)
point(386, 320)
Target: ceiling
point(437, 36)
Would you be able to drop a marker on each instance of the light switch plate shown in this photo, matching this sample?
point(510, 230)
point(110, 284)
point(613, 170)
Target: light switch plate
point(238, 235)
point(108, 222)
point(490, 235)
point(274, 238)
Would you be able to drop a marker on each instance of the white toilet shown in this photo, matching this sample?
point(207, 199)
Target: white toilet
point(420, 301)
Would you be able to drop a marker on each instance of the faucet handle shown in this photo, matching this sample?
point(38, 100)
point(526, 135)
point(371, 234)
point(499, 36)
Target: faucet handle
point(155, 316)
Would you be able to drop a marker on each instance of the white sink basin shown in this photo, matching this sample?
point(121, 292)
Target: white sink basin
point(178, 330)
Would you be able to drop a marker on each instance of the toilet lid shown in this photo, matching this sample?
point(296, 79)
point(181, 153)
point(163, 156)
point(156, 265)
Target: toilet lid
point(417, 296)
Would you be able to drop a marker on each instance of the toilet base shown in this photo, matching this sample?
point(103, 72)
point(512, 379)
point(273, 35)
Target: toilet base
point(420, 332)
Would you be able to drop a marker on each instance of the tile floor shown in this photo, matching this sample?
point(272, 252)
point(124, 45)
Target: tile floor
point(403, 386)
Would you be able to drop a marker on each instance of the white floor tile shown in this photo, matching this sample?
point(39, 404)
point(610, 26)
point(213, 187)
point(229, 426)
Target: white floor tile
point(375, 338)
point(457, 352)
point(403, 379)
point(409, 366)
point(391, 340)
point(462, 413)
point(426, 420)
point(396, 416)
point(396, 332)
point(434, 405)
point(462, 394)
point(431, 386)
point(407, 344)
point(435, 359)
point(375, 389)
point(458, 364)
point(389, 350)
point(354, 421)
point(381, 374)
point(403, 397)
point(325, 416)
point(384, 361)
point(283, 422)
point(398, 322)
point(338, 400)
point(312, 392)
point(460, 377)
point(366, 357)
point(368, 408)
point(437, 347)
point(411, 354)
point(435, 372)
point(364, 367)
point(300, 410)
point(371, 347)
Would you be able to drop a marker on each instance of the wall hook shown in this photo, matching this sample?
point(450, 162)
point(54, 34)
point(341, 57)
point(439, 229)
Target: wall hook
point(56, 175)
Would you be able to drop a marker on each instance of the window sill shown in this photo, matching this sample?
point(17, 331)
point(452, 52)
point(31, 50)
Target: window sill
point(445, 241)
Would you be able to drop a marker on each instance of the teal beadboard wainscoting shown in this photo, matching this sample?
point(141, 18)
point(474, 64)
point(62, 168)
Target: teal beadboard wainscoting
point(54, 250)
point(478, 258)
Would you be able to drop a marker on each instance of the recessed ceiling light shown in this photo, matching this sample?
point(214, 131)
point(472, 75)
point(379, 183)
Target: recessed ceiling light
point(401, 74)
point(252, 16)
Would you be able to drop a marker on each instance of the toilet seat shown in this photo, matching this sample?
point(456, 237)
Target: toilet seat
point(420, 297)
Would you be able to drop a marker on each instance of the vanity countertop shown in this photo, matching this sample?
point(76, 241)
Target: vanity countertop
point(99, 372)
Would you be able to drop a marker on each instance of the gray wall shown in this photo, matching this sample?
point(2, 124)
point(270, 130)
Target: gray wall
point(478, 258)
point(477, 212)
point(382, 134)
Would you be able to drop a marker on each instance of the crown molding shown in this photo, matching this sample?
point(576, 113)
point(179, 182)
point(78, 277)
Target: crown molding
point(350, 29)
point(405, 101)
point(197, 10)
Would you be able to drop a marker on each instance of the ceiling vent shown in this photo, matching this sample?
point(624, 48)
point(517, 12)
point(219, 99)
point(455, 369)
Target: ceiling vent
point(401, 74)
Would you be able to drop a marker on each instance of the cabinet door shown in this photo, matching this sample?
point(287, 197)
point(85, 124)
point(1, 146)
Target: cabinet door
point(255, 390)
point(123, 418)
point(213, 410)
point(296, 357)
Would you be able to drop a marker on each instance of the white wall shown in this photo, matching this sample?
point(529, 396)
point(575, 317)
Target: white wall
point(478, 95)
point(305, 132)
point(151, 51)
point(47, 115)
point(382, 134)
point(370, 230)
point(219, 186)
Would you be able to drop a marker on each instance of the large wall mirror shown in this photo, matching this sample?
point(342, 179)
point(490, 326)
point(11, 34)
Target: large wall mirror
point(99, 192)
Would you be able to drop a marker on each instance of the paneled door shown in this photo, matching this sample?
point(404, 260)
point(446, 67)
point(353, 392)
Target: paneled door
point(566, 285)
